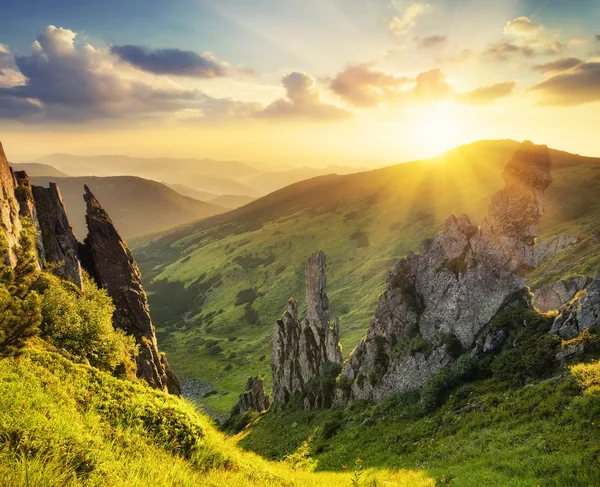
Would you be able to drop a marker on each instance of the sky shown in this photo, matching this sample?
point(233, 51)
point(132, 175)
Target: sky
point(312, 82)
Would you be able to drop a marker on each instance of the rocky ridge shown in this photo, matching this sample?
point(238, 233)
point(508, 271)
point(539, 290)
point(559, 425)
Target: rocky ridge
point(306, 353)
point(104, 255)
point(439, 302)
point(253, 398)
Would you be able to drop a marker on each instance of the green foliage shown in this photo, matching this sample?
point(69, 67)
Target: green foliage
point(246, 296)
point(80, 322)
point(452, 344)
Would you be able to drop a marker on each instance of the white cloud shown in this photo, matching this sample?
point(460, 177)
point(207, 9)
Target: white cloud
point(402, 24)
point(522, 26)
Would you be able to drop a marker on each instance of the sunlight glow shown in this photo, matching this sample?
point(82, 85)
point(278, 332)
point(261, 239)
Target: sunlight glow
point(440, 127)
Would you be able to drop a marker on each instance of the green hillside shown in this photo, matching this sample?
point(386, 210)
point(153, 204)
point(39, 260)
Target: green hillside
point(216, 287)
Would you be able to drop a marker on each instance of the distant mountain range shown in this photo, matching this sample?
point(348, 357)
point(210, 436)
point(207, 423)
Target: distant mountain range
point(137, 206)
point(34, 169)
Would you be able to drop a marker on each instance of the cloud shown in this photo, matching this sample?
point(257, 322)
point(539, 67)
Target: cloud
point(172, 61)
point(302, 100)
point(461, 56)
point(597, 36)
point(401, 25)
point(363, 86)
point(63, 82)
point(575, 87)
point(431, 86)
point(431, 41)
point(485, 95)
point(502, 50)
point(558, 65)
point(9, 75)
point(522, 26)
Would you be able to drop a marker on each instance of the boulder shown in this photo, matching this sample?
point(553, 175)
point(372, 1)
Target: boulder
point(550, 298)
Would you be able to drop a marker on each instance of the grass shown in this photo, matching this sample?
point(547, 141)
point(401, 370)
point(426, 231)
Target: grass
point(364, 223)
point(487, 433)
point(69, 425)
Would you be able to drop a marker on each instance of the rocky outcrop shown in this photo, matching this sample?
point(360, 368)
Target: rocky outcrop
point(550, 298)
point(253, 398)
point(548, 248)
point(59, 242)
point(306, 354)
point(27, 209)
point(10, 224)
point(580, 314)
point(111, 263)
point(439, 302)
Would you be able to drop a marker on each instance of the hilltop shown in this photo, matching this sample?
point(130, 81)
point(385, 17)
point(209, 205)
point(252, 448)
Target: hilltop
point(253, 257)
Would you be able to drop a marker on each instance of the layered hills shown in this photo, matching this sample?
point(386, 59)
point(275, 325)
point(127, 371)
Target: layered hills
point(254, 257)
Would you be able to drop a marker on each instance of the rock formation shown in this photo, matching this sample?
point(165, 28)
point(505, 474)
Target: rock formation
point(253, 398)
point(9, 210)
point(306, 354)
point(550, 298)
point(580, 314)
point(59, 242)
point(27, 209)
point(549, 247)
point(438, 303)
point(110, 262)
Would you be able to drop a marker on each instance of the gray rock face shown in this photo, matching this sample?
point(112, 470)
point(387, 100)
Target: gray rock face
point(449, 292)
point(306, 353)
point(253, 397)
point(10, 224)
point(27, 209)
point(110, 262)
point(549, 247)
point(549, 298)
point(59, 242)
point(580, 314)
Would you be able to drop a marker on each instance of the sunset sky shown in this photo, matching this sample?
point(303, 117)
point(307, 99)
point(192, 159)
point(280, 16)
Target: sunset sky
point(296, 82)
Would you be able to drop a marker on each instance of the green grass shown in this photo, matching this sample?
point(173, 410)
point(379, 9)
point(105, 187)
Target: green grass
point(488, 433)
point(69, 425)
point(364, 223)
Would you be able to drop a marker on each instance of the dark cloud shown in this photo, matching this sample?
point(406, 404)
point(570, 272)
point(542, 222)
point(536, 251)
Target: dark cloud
point(502, 50)
point(431, 41)
point(172, 61)
point(62, 82)
point(485, 95)
point(576, 87)
point(363, 86)
point(302, 101)
point(558, 65)
point(598, 37)
point(431, 86)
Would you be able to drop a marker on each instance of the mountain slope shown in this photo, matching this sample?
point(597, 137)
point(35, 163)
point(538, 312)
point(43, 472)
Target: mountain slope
point(218, 286)
point(137, 206)
point(231, 200)
point(34, 170)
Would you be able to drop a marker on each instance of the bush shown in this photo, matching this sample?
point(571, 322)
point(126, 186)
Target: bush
point(80, 322)
point(246, 296)
point(19, 320)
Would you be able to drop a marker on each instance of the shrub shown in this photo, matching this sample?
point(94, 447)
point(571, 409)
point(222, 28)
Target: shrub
point(246, 296)
point(81, 323)
point(19, 320)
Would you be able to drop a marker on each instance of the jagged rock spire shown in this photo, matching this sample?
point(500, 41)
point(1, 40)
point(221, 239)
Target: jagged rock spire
point(27, 209)
point(10, 224)
point(442, 299)
point(59, 242)
point(306, 354)
point(253, 397)
point(108, 259)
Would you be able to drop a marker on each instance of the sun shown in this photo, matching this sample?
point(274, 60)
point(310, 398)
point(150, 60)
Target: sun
point(439, 127)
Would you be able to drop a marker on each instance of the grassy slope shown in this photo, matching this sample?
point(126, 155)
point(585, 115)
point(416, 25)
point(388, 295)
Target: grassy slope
point(70, 425)
point(487, 434)
point(364, 222)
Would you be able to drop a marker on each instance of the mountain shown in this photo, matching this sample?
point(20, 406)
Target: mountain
point(219, 285)
point(232, 201)
point(192, 193)
point(42, 170)
point(137, 206)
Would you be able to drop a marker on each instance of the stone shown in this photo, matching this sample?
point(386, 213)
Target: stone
point(10, 223)
point(581, 313)
point(306, 354)
point(548, 248)
point(452, 289)
point(61, 248)
point(570, 352)
point(253, 398)
point(27, 210)
point(550, 298)
point(109, 261)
